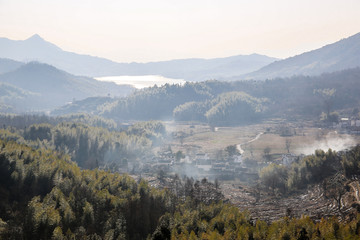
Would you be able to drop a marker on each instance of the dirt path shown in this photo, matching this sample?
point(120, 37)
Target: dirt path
point(252, 140)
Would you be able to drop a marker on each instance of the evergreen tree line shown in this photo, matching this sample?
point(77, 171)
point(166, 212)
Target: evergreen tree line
point(315, 168)
point(231, 108)
point(23, 121)
point(45, 196)
point(91, 147)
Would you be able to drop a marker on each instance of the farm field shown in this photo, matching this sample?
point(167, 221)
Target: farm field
point(254, 139)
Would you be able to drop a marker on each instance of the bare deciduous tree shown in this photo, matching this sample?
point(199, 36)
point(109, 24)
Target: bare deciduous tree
point(288, 144)
point(267, 151)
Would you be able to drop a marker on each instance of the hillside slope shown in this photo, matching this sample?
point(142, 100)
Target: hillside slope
point(337, 56)
point(55, 87)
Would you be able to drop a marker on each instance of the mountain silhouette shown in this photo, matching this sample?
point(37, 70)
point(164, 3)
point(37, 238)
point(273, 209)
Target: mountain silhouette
point(337, 56)
point(36, 48)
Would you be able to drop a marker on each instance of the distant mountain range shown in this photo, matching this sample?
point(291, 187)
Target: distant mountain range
point(37, 49)
point(36, 87)
point(340, 55)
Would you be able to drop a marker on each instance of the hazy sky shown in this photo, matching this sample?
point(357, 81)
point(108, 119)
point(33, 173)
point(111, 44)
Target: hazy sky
point(152, 30)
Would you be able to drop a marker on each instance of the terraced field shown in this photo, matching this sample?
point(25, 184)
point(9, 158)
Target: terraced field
point(310, 202)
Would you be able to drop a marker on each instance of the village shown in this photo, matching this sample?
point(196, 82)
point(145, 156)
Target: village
point(201, 165)
point(198, 162)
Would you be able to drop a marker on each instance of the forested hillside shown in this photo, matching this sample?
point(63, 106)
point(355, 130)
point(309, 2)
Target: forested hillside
point(45, 195)
point(51, 187)
point(14, 99)
point(332, 169)
point(230, 108)
point(91, 147)
point(23, 121)
point(341, 55)
point(248, 100)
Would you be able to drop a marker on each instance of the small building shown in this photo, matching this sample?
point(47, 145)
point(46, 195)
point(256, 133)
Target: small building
point(186, 160)
point(202, 159)
point(204, 167)
point(288, 159)
point(355, 123)
point(238, 159)
point(345, 122)
point(218, 166)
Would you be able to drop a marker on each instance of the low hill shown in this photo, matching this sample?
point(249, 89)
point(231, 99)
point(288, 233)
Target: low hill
point(8, 65)
point(337, 56)
point(14, 99)
point(55, 87)
point(89, 105)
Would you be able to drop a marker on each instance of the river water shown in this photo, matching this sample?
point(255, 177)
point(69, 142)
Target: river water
point(141, 81)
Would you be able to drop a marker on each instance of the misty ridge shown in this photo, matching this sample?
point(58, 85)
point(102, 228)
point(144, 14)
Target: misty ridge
point(111, 159)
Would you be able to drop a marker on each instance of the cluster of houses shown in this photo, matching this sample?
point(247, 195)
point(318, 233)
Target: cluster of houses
point(348, 125)
point(201, 165)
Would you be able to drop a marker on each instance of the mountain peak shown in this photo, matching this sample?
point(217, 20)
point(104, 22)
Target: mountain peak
point(40, 44)
point(35, 37)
